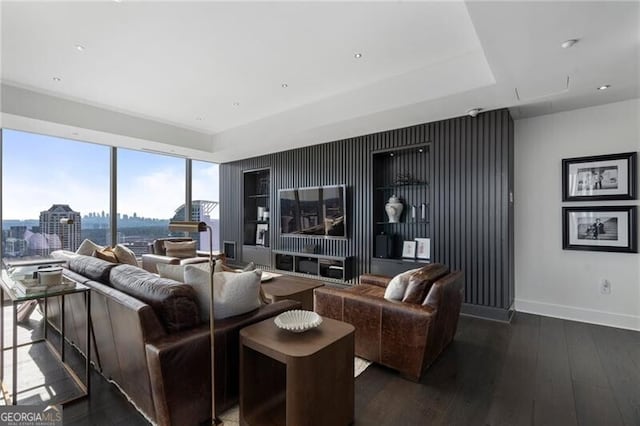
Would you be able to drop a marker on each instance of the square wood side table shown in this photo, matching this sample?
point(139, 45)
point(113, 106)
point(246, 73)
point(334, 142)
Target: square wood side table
point(292, 288)
point(297, 378)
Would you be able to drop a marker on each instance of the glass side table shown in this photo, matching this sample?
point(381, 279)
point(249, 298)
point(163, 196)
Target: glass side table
point(9, 291)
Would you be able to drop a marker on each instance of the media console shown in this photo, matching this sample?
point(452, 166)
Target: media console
point(321, 266)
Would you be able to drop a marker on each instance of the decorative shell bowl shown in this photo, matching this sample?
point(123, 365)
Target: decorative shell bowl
point(298, 321)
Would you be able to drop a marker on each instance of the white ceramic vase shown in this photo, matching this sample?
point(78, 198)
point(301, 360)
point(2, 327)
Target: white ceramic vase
point(394, 209)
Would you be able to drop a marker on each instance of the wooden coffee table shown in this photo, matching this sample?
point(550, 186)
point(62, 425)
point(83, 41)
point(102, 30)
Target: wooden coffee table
point(292, 288)
point(297, 379)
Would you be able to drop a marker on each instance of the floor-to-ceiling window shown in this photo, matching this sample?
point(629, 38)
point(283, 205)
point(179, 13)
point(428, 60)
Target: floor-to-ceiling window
point(55, 193)
point(151, 192)
point(205, 196)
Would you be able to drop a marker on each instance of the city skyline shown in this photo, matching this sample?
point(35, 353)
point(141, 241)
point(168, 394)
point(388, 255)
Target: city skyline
point(40, 171)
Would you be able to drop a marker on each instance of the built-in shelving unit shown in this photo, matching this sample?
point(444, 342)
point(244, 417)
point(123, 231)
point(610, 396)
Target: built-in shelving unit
point(405, 174)
point(316, 265)
point(256, 225)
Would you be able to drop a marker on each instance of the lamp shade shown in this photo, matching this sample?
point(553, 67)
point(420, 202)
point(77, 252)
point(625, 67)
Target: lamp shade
point(187, 226)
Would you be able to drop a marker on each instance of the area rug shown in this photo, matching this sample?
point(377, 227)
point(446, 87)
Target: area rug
point(232, 417)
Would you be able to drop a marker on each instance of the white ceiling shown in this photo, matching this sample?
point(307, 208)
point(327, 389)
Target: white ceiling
point(187, 64)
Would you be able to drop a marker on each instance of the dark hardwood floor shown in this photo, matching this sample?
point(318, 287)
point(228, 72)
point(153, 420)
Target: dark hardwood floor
point(535, 371)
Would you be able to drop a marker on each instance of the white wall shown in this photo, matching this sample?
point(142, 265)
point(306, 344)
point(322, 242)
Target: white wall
point(565, 283)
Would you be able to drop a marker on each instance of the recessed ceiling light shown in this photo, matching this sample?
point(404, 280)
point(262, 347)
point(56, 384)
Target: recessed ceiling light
point(285, 85)
point(569, 43)
point(236, 104)
point(79, 47)
point(605, 87)
point(358, 55)
point(391, 154)
point(57, 79)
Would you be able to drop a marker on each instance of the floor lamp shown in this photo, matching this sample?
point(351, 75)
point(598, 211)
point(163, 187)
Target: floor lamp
point(190, 226)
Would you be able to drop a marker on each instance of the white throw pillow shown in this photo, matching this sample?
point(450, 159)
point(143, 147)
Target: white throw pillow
point(87, 247)
point(217, 267)
point(398, 285)
point(125, 255)
point(173, 272)
point(234, 293)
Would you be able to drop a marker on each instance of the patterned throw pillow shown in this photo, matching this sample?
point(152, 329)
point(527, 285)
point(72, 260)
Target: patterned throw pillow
point(181, 250)
point(106, 254)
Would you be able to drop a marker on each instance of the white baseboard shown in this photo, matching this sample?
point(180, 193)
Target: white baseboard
point(593, 316)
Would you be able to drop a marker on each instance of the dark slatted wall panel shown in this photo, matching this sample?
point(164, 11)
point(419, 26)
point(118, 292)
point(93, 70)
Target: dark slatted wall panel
point(470, 173)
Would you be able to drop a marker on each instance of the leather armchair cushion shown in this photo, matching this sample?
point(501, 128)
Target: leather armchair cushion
point(369, 290)
point(174, 303)
point(420, 282)
point(92, 268)
point(378, 280)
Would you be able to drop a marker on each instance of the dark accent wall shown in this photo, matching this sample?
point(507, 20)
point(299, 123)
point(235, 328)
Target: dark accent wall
point(471, 223)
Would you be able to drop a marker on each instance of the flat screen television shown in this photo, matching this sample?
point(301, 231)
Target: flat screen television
point(318, 211)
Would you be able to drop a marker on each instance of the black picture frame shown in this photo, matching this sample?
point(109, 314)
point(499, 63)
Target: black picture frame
point(578, 194)
point(590, 237)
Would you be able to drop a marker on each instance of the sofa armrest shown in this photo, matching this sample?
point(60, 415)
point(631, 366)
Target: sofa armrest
point(378, 280)
point(180, 367)
point(328, 302)
point(180, 371)
point(149, 261)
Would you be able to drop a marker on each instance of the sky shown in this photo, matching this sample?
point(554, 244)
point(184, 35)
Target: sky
point(38, 171)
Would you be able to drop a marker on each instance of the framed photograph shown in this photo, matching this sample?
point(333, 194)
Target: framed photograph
point(609, 228)
point(423, 250)
point(409, 249)
point(603, 177)
point(261, 233)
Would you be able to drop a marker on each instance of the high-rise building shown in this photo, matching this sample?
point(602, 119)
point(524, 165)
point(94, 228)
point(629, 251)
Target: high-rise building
point(200, 212)
point(69, 234)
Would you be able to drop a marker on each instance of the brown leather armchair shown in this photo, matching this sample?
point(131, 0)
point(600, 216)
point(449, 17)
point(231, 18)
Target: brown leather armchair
point(406, 335)
point(158, 254)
